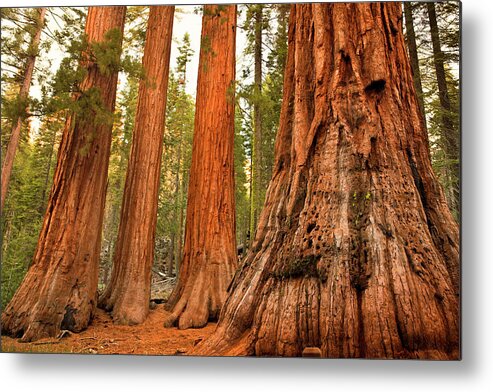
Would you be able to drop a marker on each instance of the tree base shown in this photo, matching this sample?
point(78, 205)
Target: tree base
point(121, 313)
point(45, 316)
point(191, 312)
point(217, 346)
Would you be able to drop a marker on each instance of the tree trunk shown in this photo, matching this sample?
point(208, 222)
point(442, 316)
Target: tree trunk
point(171, 258)
point(179, 247)
point(8, 161)
point(356, 251)
point(449, 135)
point(209, 254)
point(413, 56)
point(48, 169)
point(176, 236)
point(60, 288)
point(257, 173)
point(129, 291)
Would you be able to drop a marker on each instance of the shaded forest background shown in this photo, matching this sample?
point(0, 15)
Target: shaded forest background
point(260, 71)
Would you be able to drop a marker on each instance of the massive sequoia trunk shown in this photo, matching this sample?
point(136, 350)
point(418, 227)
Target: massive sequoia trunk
point(129, 290)
point(209, 253)
point(60, 288)
point(13, 145)
point(356, 251)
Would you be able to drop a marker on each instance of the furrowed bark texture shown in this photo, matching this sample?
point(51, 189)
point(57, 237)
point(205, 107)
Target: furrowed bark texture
point(209, 253)
point(356, 251)
point(128, 294)
point(60, 288)
point(8, 161)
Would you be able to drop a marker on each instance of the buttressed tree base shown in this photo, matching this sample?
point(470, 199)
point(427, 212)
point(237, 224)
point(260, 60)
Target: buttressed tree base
point(356, 251)
point(300, 198)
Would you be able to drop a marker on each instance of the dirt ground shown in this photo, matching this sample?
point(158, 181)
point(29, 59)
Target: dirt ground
point(103, 337)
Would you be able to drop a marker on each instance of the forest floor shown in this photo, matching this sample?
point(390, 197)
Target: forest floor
point(103, 337)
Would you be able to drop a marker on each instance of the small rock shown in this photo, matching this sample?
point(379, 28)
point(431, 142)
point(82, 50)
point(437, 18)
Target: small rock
point(312, 352)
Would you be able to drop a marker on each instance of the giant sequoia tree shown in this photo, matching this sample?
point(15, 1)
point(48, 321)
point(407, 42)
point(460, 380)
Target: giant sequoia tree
point(59, 290)
point(356, 251)
point(129, 290)
point(209, 253)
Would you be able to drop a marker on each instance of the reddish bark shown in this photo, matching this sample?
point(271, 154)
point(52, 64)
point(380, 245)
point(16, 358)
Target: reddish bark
point(356, 252)
point(209, 253)
point(8, 161)
point(60, 288)
point(129, 290)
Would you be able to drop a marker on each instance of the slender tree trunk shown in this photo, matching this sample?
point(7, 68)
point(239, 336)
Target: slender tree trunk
point(250, 195)
point(8, 161)
point(48, 169)
point(7, 233)
point(106, 267)
point(257, 199)
point(178, 207)
point(60, 288)
point(450, 137)
point(129, 292)
point(179, 247)
point(413, 55)
point(171, 258)
point(209, 255)
point(181, 222)
point(356, 251)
